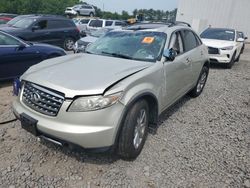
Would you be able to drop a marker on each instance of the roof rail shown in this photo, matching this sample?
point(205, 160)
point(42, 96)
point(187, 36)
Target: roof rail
point(179, 23)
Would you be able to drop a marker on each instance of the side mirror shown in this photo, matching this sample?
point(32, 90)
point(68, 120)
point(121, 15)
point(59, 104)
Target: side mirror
point(35, 27)
point(246, 38)
point(21, 46)
point(240, 40)
point(170, 54)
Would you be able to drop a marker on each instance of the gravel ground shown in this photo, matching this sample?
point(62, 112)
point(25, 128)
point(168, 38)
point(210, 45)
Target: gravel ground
point(202, 142)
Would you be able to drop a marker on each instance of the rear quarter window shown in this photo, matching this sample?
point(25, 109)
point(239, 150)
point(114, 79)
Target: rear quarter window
point(189, 40)
point(56, 24)
point(96, 23)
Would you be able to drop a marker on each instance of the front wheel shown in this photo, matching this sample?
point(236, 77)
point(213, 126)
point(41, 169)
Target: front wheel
point(68, 44)
point(91, 14)
point(197, 90)
point(134, 131)
point(231, 63)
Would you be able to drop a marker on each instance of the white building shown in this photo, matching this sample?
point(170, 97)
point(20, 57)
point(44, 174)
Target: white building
point(217, 13)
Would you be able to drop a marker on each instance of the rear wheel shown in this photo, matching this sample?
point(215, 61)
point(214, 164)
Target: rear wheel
point(68, 44)
point(134, 131)
point(197, 90)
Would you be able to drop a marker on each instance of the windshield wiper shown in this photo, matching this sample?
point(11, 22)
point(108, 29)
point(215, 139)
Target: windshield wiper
point(117, 55)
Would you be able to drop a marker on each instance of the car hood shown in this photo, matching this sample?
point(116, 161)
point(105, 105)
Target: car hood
point(10, 29)
point(43, 45)
point(82, 74)
point(89, 39)
point(218, 43)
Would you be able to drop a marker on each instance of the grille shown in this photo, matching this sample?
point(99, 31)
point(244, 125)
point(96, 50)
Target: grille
point(41, 99)
point(213, 50)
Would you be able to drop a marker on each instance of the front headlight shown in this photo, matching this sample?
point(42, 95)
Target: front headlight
point(85, 104)
point(227, 48)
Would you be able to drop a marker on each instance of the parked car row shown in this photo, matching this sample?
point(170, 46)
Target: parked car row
point(87, 25)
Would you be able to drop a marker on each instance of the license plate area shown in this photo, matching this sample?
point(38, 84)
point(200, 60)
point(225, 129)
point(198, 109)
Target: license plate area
point(29, 124)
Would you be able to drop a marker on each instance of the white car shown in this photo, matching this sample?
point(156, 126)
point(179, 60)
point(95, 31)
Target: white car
point(96, 24)
point(223, 45)
point(82, 24)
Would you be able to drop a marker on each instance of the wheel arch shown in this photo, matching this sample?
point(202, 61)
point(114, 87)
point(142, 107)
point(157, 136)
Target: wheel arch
point(152, 101)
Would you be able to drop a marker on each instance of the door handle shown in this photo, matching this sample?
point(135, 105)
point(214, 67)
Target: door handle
point(47, 33)
point(188, 61)
point(202, 53)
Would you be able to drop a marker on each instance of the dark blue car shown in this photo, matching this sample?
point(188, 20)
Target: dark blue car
point(16, 55)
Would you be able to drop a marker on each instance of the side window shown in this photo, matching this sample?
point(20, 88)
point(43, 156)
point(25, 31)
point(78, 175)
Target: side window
point(198, 40)
point(84, 21)
point(239, 35)
point(176, 43)
point(108, 23)
point(189, 39)
point(89, 7)
point(96, 23)
point(118, 23)
point(57, 24)
point(7, 40)
point(43, 24)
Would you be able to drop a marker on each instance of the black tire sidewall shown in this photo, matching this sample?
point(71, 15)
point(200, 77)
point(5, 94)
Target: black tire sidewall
point(64, 43)
point(231, 63)
point(126, 147)
point(194, 92)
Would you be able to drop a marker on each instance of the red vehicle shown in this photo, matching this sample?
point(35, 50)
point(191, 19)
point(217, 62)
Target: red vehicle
point(4, 20)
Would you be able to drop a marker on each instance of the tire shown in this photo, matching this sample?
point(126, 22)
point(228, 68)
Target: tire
point(231, 63)
point(130, 142)
point(242, 49)
point(197, 90)
point(68, 44)
point(91, 14)
point(238, 59)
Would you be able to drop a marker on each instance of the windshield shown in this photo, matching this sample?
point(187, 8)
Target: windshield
point(137, 45)
point(75, 20)
point(219, 34)
point(99, 33)
point(14, 20)
point(24, 23)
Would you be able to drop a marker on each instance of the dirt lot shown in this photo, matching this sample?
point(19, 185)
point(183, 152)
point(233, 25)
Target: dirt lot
point(203, 142)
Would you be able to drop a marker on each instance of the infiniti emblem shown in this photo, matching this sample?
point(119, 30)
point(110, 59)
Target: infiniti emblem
point(35, 97)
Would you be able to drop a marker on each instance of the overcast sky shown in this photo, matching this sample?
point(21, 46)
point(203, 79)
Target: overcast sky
point(130, 5)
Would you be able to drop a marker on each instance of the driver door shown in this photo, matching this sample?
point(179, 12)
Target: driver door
point(177, 72)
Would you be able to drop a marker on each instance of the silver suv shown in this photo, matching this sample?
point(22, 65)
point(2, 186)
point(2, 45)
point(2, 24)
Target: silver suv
point(110, 95)
point(84, 9)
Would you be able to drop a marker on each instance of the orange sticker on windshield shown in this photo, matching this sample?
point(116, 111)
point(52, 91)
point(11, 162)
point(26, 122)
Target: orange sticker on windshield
point(148, 40)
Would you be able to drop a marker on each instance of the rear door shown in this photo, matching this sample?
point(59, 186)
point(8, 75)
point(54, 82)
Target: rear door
point(177, 72)
point(194, 54)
